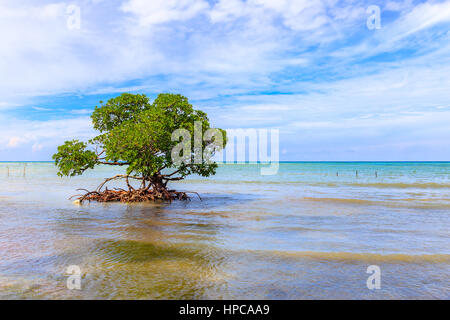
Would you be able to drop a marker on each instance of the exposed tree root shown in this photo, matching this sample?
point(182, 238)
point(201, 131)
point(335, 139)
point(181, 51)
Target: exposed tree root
point(153, 192)
point(140, 195)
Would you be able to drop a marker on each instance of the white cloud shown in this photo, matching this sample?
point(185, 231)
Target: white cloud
point(36, 147)
point(298, 15)
point(227, 42)
point(227, 10)
point(162, 11)
point(399, 33)
point(228, 52)
point(397, 5)
point(81, 111)
point(15, 133)
point(6, 105)
point(14, 142)
point(424, 16)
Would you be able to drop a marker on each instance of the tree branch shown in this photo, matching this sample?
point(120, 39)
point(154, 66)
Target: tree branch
point(99, 188)
point(115, 163)
point(173, 179)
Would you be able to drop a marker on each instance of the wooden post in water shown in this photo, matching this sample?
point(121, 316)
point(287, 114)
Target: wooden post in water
point(376, 174)
point(24, 167)
point(337, 174)
point(356, 172)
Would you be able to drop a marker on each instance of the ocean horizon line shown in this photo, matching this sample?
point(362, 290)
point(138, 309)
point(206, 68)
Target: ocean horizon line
point(281, 161)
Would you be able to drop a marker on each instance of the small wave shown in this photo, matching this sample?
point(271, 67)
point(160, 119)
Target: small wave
point(366, 257)
point(395, 203)
point(400, 185)
point(341, 200)
point(238, 181)
point(381, 185)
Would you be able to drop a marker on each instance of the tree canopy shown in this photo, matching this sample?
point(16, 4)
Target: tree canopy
point(147, 139)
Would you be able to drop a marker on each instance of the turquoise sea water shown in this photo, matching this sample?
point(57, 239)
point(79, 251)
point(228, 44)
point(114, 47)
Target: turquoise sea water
point(310, 231)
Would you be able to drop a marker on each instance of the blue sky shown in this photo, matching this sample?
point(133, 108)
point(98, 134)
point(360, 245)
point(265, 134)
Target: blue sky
point(336, 89)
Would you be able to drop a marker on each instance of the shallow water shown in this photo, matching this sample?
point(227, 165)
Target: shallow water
point(308, 232)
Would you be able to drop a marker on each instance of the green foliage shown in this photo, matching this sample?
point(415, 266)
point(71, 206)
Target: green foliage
point(138, 134)
point(118, 110)
point(73, 159)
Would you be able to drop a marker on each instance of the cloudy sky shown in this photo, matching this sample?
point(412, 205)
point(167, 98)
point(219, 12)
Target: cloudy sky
point(337, 88)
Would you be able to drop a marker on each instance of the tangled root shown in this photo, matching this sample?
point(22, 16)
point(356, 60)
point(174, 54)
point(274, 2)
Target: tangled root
point(158, 191)
point(139, 195)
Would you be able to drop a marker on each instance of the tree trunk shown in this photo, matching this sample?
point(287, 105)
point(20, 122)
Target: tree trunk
point(159, 187)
